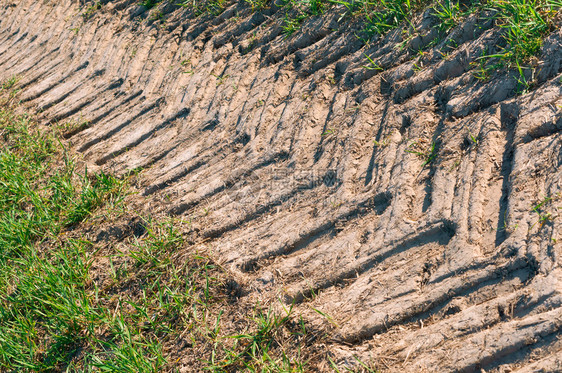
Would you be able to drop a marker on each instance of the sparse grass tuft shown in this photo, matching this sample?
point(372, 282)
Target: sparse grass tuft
point(389, 14)
point(149, 3)
point(207, 7)
point(10, 87)
point(253, 350)
point(9, 84)
point(258, 5)
point(372, 65)
point(546, 211)
point(91, 10)
point(297, 11)
point(449, 14)
point(427, 153)
point(525, 24)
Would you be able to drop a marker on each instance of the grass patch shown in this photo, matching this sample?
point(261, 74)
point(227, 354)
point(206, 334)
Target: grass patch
point(207, 7)
point(524, 24)
point(74, 298)
point(149, 3)
point(89, 11)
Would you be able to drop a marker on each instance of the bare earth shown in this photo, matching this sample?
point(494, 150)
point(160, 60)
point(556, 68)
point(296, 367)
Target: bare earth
point(399, 202)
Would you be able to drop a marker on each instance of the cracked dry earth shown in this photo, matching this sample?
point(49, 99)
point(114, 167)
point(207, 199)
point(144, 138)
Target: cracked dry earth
point(419, 208)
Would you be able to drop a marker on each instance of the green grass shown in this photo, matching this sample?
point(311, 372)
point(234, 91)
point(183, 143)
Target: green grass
point(525, 22)
point(89, 11)
point(149, 3)
point(36, 199)
point(449, 14)
point(48, 310)
point(251, 351)
point(8, 84)
point(426, 153)
point(69, 304)
point(297, 11)
point(258, 5)
point(524, 25)
point(546, 210)
point(207, 7)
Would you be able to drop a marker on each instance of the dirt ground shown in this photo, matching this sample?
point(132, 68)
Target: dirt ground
point(416, 206)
